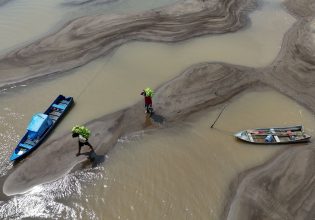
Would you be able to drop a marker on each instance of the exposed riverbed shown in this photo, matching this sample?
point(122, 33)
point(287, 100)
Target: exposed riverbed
point(181, 171)
point(119, 79)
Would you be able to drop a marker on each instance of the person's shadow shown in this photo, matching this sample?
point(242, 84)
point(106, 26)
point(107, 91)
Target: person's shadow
point(153, 120)
point(94, 158)
point(157, 118)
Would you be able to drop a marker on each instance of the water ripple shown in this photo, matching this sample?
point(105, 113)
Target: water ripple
point(50, 200)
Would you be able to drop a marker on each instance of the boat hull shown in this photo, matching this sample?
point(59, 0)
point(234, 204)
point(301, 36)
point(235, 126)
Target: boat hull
point(56, 111)
point(277, 135)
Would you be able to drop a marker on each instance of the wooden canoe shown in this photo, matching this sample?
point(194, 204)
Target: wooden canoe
point(49, 119)
point(277, 135)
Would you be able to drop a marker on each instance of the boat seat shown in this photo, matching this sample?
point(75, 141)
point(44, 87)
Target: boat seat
point(60, 106)
point(276, 138)
point(53, 117)
point(250, 137)
point(64, 102)
point(29, 142)
point(55, 113)
point(27, 146)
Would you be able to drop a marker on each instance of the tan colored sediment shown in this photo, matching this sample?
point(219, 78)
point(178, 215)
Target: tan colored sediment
point(283, 188)
point(87, 38)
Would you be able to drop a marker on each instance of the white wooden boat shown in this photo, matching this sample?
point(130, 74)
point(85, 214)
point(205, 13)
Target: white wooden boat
point(279, 135)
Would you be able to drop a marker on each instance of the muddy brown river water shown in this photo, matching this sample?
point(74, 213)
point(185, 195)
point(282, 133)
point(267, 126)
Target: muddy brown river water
point(184, 172)
point(180, 172)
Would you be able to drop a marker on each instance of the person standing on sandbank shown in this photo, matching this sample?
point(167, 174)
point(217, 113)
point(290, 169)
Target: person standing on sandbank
point(148, 94)
point(83, 134)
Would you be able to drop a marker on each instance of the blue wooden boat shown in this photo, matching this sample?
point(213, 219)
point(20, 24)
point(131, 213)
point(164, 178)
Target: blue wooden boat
point(41, 125)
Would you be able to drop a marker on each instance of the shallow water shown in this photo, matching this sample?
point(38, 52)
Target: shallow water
point(176, 173)
point(118, 80)
point(23, 21)
point(255, 46)
point(181, 172)
point(184, 172)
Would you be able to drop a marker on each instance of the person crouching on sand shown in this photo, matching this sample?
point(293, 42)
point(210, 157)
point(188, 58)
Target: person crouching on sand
point(83, 134)
point(147, 93)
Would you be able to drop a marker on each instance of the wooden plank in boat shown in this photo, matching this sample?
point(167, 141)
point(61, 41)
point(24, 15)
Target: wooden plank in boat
point(276, 138)
point(250, 137)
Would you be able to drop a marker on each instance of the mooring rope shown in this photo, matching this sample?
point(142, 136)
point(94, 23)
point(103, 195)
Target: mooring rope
point(91, 80)
point(218, 116)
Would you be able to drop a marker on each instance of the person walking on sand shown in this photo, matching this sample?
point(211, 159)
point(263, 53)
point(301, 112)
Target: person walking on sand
point(148, 93)
point(83, 134)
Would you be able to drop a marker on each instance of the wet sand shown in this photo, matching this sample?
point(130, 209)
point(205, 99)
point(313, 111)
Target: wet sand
point(199, 87)
point(87, 38)
point(2, 2)
point(82, 2)
point(284, 187)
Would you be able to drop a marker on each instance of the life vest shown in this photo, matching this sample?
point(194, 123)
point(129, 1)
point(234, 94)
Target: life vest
point(148, 92)
point(81, 130)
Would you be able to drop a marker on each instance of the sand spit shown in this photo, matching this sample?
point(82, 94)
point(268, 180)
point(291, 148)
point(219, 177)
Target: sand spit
point(193, 90)
point(301, 9)
point(87, 38)
point(282, 188)
point(85, 2)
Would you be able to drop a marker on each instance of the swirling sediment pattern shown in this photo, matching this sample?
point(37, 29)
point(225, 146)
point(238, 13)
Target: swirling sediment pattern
point(283, 188)
point(87, 38)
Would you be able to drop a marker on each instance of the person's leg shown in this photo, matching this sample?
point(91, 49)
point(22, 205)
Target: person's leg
point(88, 144)
point(80, 145)
point(146, 106)
point(150, 108)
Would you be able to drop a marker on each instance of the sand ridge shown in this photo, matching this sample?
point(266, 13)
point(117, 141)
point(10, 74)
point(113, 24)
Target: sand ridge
point(284, 187)
point(87, 38)
point(199, 87)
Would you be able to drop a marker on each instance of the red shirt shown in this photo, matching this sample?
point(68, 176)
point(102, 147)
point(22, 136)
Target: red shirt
point(147, 100)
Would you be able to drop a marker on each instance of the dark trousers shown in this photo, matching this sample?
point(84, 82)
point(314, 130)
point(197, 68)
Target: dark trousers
point(148, 108)
point(86, 143)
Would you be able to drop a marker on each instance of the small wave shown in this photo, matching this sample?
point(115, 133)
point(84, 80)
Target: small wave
point(131, 137)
